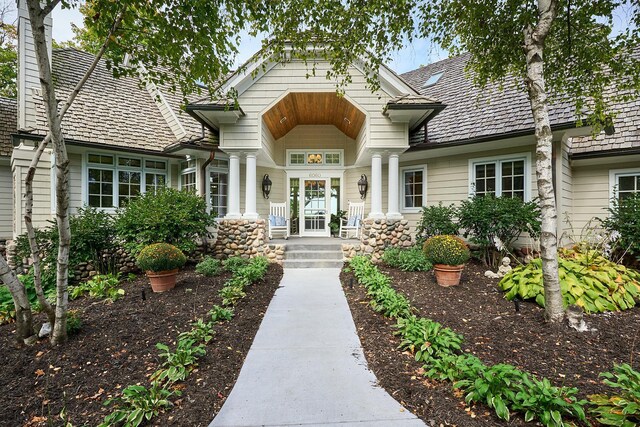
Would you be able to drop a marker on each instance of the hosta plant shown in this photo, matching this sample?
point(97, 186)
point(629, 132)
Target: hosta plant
point(623, 408)
point(587, 279)
point(138, 404)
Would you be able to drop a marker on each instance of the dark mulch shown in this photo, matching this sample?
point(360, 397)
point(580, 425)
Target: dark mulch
point(495, 333)
point(116, 348)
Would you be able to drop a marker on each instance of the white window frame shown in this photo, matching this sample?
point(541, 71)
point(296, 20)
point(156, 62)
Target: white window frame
point(414, 168)
point(219, 169)
point(187, 171)
point(116, 168)
point(498, 160)
point(614, 174)
point(306, 153)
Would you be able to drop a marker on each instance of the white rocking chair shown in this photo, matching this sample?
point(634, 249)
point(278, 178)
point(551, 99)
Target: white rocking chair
point(278, 219)
point(353, 222)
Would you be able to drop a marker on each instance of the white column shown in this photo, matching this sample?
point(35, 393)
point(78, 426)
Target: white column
point(234, 187)
point(376, 187)
point(250, 185)
point(393, 211)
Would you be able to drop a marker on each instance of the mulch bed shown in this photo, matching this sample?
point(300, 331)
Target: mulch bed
point(116, 348)
point(494, 332)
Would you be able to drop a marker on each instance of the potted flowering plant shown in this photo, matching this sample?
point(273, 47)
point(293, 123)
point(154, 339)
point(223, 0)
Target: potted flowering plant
point(448, 254)
point(161, 262)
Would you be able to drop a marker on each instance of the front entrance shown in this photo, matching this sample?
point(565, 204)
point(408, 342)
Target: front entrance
point(313, 199)
point(313, 216)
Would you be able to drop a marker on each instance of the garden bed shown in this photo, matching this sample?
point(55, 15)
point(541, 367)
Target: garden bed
point(495, 333)
point(116, 348)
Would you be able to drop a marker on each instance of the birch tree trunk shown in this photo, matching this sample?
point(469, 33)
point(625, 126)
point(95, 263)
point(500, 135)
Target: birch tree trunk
point(534, 39)
point(24, 317)
point(31, 233)
point(36, 16)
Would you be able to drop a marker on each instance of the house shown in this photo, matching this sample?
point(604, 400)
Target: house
point(424, 137)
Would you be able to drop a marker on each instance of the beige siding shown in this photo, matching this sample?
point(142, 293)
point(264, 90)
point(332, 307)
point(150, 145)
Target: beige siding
point(325, 137)
point(41, 188)
point(278, 189)
point(6, 201)
point(75, 182)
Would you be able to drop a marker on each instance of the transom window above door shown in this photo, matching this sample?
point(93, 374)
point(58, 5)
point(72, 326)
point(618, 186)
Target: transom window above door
point(314, 157)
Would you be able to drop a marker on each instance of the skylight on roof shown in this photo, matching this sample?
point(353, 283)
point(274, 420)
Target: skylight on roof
point(433, 79)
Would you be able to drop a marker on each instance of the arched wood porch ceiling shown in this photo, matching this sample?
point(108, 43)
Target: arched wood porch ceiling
point(313, 108)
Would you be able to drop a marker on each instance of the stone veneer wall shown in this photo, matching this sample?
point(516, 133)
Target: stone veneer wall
point(247, 239)
point(376, 236)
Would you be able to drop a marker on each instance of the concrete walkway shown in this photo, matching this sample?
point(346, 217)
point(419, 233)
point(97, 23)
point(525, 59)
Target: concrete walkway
point(306, 366)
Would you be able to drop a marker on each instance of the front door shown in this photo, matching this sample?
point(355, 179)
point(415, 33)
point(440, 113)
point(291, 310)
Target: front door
point(315, 207)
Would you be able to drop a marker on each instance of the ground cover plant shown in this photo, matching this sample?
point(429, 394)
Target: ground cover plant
point(209, 267)
point(106, 357)
point(495, 334)
point(412, 259)
point(623, 407)
point(587, 279)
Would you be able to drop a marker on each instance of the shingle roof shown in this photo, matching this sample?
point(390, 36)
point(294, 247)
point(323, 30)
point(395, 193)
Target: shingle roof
point(472, 112)
point(626, 136)
point(409, 99)
point(116, 112)
point(8, 124)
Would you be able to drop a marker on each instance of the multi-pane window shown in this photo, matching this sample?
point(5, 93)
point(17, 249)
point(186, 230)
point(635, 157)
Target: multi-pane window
point(500, 178)
point(100, 191)
point(218, 190)
point(128, 186)
point(296, 159)
point(413, 188)
point(114, 180)
point(332, 159)
point(188, 176)
point(627, 185)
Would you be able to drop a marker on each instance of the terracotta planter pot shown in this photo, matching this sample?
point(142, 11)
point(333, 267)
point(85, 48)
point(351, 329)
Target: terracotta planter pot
point(448, 275)
point(162, 280)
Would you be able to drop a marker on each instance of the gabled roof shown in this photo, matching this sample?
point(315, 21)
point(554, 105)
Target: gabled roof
point(115, 112)
point(473, 113)
point(8, 124)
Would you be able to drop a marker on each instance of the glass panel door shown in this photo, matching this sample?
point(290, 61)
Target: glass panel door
point(314, 208)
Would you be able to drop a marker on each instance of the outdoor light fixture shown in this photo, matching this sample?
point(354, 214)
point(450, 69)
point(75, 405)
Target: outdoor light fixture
point(266, 186)
point(363, 185)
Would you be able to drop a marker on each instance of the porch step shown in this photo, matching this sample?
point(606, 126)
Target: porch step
point(312, 263)
point(309, 254)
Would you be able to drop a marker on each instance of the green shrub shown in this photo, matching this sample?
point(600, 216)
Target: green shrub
point(160, 257)
point(7, 309)
point(489, 221)
point(220, 314)
point(412, 259)
point(448, 250)
point(233, 264)
point(208, 267)
point(138, 404)
point(92, 234)
point(168, 216)
point(74, 322)
point(622, 409)
point(624, 218)
point(587, 279)
point(104, 286)
point(435, 221)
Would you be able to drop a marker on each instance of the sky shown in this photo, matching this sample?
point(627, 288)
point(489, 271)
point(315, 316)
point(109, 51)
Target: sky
point(411, 57)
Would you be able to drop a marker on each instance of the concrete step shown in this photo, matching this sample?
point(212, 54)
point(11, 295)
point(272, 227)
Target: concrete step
point(323, 254)
point(312, 247)
point(312, 263)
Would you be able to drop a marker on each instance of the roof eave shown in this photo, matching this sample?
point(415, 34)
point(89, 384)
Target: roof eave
point(416, 120)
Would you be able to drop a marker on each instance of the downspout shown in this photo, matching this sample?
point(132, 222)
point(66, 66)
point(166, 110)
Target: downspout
point(203, 173)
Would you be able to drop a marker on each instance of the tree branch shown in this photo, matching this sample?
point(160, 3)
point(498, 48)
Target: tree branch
point(49, 7)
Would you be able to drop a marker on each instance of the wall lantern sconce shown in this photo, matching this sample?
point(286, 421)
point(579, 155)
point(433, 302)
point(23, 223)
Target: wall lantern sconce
point(363, 185)
point(266, 186)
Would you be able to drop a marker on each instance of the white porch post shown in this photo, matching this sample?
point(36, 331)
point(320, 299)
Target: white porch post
point(393, 211)
point(376, 187)
point(234, 187)
point(250, 185)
